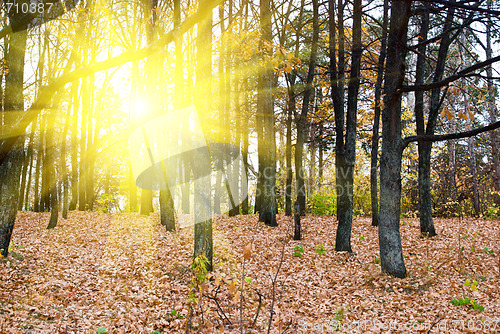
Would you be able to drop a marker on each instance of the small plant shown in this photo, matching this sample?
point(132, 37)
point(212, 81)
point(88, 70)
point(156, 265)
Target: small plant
point(487, 251)
point(472, 285)
point(471, 303)
point(176, 314)
point(320, 249)
point(155, 332)
point(376, 260)
point(298, 251)
point(359, 236)
point(467, 302)
point(340, 314)
point(105, 203)
point(101, 330)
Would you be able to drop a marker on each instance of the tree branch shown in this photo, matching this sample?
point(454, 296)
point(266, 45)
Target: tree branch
point(451, 78)
point(463, 6)
point(459, 135)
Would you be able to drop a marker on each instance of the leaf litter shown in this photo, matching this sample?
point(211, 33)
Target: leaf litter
point(122, 273)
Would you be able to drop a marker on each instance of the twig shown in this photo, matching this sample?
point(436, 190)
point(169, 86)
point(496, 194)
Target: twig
point(274, 285)
point(434, 324)
point(258, 308)
point(188, 322)
point(214, 298)
point(201, 309)
point(241, 294)
point(287, 326)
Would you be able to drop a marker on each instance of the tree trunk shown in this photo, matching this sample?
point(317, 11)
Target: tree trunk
point(337, 77)
point(64, 170)
point(453, 162)
point(292, 110)
point(473, 170)
point(11, 167)
point(179, 94)
point(223, 114)
point(83, 152)
point(132, 190)
point(391, 252)
point(146, 202)
point(494, 142)
point(289, 173)
point(301, 120)
point(51, 177)
point(424, 186)
point(167, 211)
point(36, 200)
point(90, 156)
point(203, 242)
point(237, 143)
point(244, 167)
point(25, 160)
point(424, 148)
point(31, 157)
point(50, 162)
point(267, 143)
point(346, 155)
point(376, 118)
point(321, 150)
point(74, 147)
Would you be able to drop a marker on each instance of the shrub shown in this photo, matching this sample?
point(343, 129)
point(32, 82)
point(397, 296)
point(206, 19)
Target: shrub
point(323, 204)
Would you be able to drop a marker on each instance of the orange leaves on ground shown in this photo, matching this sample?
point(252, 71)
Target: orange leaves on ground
point(125, 274)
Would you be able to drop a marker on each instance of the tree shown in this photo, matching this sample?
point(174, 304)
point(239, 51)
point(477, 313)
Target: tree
point(301, 119)
point(203, 243)
point(391, 252)
point(265, 110)
point(376, 117)
point(13, 108)
point(492, 112)
point(345, 150)
point(291, 110)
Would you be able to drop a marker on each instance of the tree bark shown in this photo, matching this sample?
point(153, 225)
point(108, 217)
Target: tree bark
point(291, 114)
point(346, 151)
point(50, 161)
point(237, 143)
point(288, 153)
point(30, 170)
point(203, 243)
point(64, 169)
point(266, 144)
point(146, 202)
point(494, 142)
point(301, 121)
point(424, 148)
point(376, 117)
point(470, 140)
point(51, 170)
point(13, 109)
point(25, 161)
point(74, 147)
point(391, 252)
point(223, 114)
point(244, 167)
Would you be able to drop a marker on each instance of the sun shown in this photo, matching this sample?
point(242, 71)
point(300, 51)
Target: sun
point(141, 107)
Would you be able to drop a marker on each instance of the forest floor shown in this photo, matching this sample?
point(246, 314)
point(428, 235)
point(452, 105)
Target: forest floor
point(122, 273)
